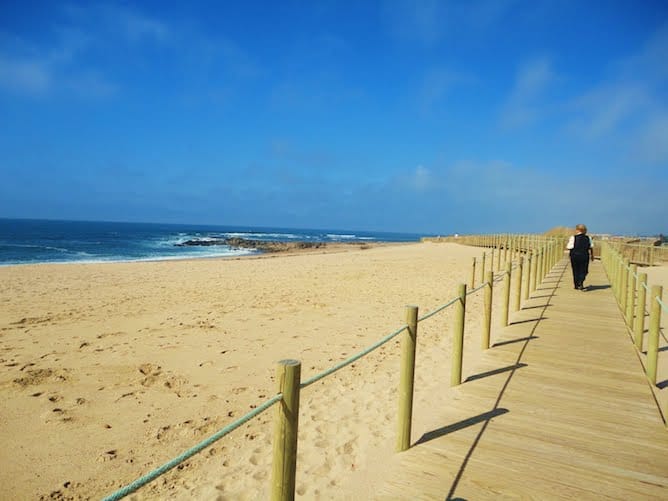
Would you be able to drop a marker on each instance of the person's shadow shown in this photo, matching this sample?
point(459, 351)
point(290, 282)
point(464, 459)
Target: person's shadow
point(596, 287)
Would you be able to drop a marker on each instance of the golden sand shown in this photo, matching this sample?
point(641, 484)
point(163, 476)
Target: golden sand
point(109, 370)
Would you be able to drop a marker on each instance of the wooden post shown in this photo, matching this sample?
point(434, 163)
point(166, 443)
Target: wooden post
point(620, 273)
point(487, 310)
point(527, 273)
point(518, 284)
point(654, 328)
point(651, 256)
point(625, 282)
point(491, 260)
point(534, 266)
point(506, 295)
point(539, 271)
point(482, 267)
point(631, 295)
point(620, 279)
point(407, 377)
point(284, 467)
point(458, 337)
point(473, 274)
point(639, 325)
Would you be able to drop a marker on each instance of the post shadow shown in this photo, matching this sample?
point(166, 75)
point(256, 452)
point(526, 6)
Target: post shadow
point(518, 340)
point(460, 425)
point(518, 322)
point(451, 493)
point(494, 372)
point(535, 307)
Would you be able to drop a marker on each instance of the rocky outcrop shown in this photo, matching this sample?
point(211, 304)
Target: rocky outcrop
point(261, 245)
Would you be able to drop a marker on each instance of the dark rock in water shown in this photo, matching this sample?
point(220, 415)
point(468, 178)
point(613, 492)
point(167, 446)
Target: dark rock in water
point(201, 243)
point(262, 245)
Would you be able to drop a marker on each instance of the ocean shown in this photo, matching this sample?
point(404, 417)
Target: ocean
point(31, 241)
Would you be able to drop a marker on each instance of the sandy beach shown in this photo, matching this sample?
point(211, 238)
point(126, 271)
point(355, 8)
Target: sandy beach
point(108, 371)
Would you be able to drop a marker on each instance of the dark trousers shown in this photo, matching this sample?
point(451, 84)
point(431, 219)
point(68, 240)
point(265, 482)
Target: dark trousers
point(580, 265)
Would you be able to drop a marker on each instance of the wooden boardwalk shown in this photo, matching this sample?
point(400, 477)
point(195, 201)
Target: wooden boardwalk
point(558, 408)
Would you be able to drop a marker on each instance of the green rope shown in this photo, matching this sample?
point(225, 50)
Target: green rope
point(378, 344)
point(141, 481)
point(350, 360)
point(438, 310)
point(472, 291)
point(662, 304)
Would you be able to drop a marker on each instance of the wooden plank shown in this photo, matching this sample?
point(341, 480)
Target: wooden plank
point(557, 408)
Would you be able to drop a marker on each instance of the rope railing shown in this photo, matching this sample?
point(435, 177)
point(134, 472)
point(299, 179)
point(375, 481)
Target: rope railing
point(633, 294)
point(438, 310)
point(637, 276)
point(149, 477)
point(539, 260)
point(646, 254)
point(354, 358)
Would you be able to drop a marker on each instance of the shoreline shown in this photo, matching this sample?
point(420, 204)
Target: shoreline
point(330, 247)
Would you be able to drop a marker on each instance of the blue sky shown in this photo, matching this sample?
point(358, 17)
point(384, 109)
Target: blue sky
point(416, 116)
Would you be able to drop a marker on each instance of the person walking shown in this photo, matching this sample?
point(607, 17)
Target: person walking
point(581, 248)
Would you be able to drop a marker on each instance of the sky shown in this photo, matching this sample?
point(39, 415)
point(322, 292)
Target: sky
point(432, 117)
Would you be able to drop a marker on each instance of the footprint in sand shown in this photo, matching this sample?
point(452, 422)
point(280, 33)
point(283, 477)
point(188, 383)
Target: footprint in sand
point(301, 490)
point(347, 448)
point(58, 414)
point(322, 444)
point(37, 376)
point(107, 456)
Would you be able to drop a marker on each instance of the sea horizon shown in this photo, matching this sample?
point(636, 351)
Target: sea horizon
point(41, 241)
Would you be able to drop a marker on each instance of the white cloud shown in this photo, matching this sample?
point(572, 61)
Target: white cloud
point(43, 77)
point(429, 21)
point(62, 62)
point(525, 102)
point(650, 59)
point(422, 178)
point(90, 84)
point(533, 78)
point(115, 21)
point(498, 194)
point(436, 85)
point(603, 109)
point(652, 142)
point(627, 106)
point(420, 20)
point(25, 76)
point(136, 26)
